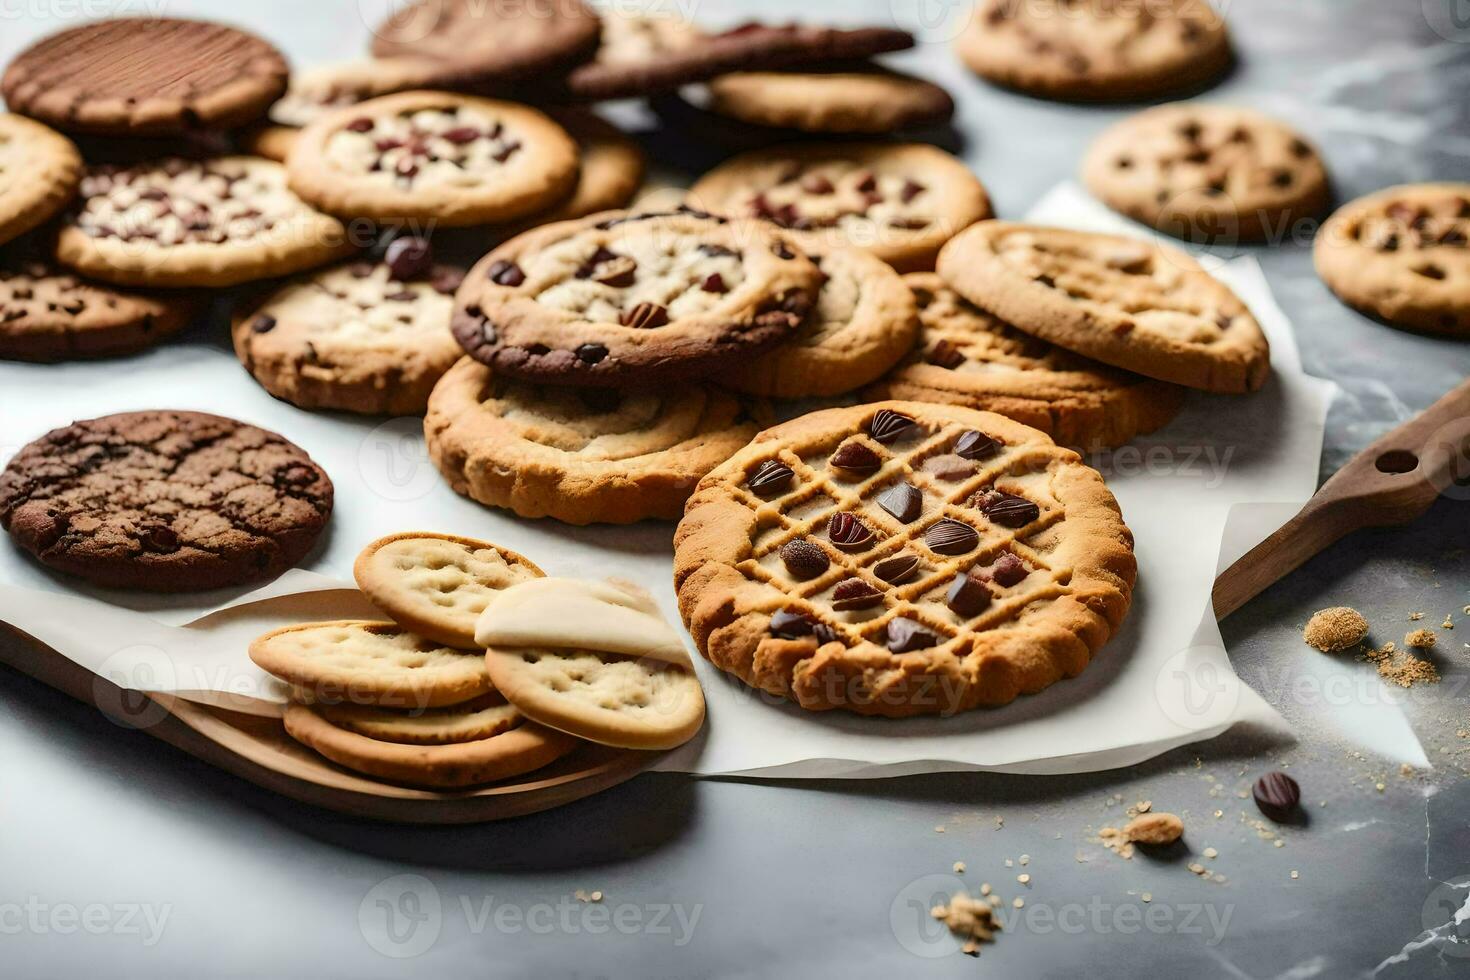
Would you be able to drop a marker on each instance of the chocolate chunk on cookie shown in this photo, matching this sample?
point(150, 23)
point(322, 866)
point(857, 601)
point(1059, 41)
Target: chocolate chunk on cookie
point(433, 157)
point(146, 76)
point(631, 298)
point(1205, 172)
point(1099, 51)
point(177, 223)
point(165, 501)
point(876, 623)
point(582, 456)
point(965, 356)
point(901, 202)
point(39, 173)
point(48, 314)
point(360, 336)
point(1143, 307)
point(1403, 255)
point(867, 100)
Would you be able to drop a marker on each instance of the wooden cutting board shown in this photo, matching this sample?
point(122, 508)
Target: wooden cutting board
point(259, 750)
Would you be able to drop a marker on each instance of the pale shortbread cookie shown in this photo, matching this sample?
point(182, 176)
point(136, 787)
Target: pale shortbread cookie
point(484, 717)
point(434, 156)
point(39, 172)
point(866, 101)
point(451, 765)
point(1146, 308)
point(370, 663)
point(437, 585)
point(592, 659)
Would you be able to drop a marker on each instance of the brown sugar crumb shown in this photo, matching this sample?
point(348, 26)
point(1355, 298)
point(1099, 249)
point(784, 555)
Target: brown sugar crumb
point(1155, 829)
point(1421, 640)
point(969, 918)
point(1402, 668)
point(1336, 629)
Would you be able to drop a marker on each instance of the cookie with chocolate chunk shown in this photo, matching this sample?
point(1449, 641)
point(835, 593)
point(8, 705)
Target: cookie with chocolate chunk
point(433, 157)
point(630, 298)
point(363, 336)
point(901, 202)
point(165, 501)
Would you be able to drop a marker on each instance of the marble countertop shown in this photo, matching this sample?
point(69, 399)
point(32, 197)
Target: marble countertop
point(121, 855)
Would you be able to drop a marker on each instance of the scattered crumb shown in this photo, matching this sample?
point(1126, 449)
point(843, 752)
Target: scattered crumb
point(1415, 617)
point(1211, 853)
point(1337, 629)
point(585, 896)
point(1147, 897)
point(1403, 669)
point(1024, 879)
point(1421, 640)
point(1448, 624)
point(939, 829)
point(967, 917)
point(1380, 787)
point(985, 888)
point(1154, 828)
point(1010, 863)
point(959, 867)
point(1219, 814)
point(1024, 860)
point(1296, 874)
point(1019, 903)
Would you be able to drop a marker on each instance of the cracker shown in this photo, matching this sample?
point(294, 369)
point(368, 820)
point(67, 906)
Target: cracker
point(472, 721)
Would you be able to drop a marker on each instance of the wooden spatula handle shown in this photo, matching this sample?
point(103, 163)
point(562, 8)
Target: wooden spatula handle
point(1392, 482)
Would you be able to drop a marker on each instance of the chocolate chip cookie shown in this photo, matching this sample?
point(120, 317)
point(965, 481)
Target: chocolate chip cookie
point(178, 223)
point(362, 336)
point(862, 101)
point(901, 559)
point(435, 157)
point(967, 357)
point(39, 173)
point(1098, 51)
point(863, 322)
point(472, 43)
point(1403, 255)
point(145, 76)
point(650, 54)
point(1203, 172)
point(901, 202)
point(165, 501)
point(48, 314)
point(631, 298)
point(1142, 307)
point(582, 456)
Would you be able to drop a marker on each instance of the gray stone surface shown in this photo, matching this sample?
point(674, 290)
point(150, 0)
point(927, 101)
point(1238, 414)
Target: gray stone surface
point(727, 878)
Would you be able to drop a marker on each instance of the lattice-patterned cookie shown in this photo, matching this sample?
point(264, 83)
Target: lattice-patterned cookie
point(1403, 254)
point(903, 558)
point(1201, 172)
point(864, 320)
point(901, 202)
point(176, 222)
point(370, 664)
point(433, 156)
point(626, 299)
point(1097, 50)
point(1145, 308)
point(582, 456)
point(368, 337)
point(967, 357)
point(39, 172)
point(437, 585)
point(447, 748)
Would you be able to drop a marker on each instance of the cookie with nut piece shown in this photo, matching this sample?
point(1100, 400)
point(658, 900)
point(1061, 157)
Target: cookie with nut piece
point(1403, 255)
point(901, 202)
point(362, 336)
point(633, 298)
point(437, 157)
point(1205, 172)
point(165, 501)
point(903, 558)
point(1143, 307)
point(1098, 51)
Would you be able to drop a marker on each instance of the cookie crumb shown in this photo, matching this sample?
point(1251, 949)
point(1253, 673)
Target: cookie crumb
point(970, 918)
point(1336, 629)
point(1295, 875)
point(959, 867)
point(1019, 903)
point(1147, 897)
point(1421, 640)
point(1155, 829)
point(1403, 669)
point(585, 896)
point(1024, 879)
point(1211, 853)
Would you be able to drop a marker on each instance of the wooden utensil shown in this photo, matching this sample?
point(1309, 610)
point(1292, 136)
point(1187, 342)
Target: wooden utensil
point(259, 750)
point(1392, 482)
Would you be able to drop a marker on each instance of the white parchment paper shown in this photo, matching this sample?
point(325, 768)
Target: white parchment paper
point(1164, 681)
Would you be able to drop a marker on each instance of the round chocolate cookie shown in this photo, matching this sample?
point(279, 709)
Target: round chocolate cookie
point(472, 41)
point(151, 76)
point(900, 201)
point(645, 55)
point(165, 501)
point(630, 298)
point(48, 314)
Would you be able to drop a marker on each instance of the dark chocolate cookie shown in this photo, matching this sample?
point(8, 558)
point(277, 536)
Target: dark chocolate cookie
point(474, 42)
point(149, 76)
point(165, 501)
point(622, 299)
